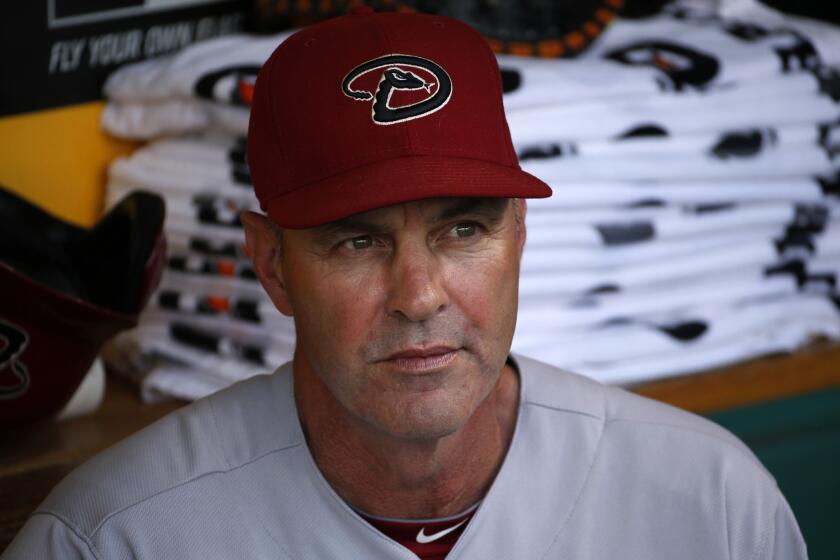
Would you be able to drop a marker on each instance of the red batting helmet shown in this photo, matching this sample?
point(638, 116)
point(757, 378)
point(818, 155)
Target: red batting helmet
point(65, 291)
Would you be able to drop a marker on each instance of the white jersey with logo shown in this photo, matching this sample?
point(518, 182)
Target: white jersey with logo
point(688, 339)
point(573, 195)
point(592, 472)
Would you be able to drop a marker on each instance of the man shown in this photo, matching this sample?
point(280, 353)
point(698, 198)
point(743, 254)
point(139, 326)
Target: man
point(403, 428)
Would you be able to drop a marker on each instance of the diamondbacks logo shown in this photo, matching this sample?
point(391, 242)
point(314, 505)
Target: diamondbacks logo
point(681, 66)
point(13, 341)
point(232, 84)
point(743, 143)
point(421, 86)
point(795, 51)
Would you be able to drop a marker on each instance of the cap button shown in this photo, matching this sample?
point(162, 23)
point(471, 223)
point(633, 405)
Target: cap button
point(360, 10)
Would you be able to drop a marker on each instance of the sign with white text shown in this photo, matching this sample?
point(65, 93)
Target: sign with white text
point(59, 52)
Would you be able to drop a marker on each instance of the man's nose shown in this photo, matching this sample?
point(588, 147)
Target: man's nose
point(416, 288)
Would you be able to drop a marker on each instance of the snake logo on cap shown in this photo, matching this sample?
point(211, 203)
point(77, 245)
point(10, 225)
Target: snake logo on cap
point(401, 73)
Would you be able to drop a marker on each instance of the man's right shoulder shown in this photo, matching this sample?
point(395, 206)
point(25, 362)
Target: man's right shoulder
point(210, 436)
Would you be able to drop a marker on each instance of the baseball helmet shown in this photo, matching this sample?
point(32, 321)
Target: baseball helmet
point(65, 291)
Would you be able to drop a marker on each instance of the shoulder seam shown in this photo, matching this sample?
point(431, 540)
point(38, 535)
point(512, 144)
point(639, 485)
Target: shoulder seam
point(563, 409)
point(723, 440)
point(765, 536)
point(725, 495)
point(595, 456)
point(209, 402)
point(73, 529)
point(185, 483)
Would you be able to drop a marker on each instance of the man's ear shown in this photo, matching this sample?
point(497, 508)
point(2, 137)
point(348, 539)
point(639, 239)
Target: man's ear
point(263, 246)
point(521, 209)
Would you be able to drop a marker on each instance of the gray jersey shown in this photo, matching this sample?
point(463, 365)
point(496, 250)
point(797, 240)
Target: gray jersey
point(593, 472)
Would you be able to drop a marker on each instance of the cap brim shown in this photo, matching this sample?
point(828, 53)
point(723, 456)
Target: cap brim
point(399, 180)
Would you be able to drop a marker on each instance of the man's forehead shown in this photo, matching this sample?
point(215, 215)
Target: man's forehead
point(430, 210)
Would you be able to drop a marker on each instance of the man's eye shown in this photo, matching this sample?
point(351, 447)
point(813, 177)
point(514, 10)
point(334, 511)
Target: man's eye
point(464, 230)
point(358, 243)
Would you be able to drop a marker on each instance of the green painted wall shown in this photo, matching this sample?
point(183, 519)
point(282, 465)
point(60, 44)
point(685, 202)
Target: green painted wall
point(798, 440)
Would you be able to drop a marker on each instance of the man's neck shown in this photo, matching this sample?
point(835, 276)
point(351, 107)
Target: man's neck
point(401, 478)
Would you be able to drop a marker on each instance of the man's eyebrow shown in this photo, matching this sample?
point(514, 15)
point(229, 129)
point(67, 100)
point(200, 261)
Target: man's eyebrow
point(349, 225)
point(491, 208)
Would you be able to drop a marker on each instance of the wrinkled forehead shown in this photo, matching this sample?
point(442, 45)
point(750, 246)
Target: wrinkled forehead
point(428, 211)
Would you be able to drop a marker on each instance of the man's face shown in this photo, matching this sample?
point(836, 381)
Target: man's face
point(406, 313)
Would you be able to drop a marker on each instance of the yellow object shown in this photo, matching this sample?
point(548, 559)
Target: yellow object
point(58, 160)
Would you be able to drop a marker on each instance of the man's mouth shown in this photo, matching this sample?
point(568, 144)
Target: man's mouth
point(423, 360)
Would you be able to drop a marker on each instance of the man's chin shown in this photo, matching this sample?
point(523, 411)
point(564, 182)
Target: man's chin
point(426, 416)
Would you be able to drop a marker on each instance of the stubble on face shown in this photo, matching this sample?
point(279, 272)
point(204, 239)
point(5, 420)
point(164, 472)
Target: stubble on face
point(350, 325)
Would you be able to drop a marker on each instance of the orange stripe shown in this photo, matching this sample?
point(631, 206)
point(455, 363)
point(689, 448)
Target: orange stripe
point(496, 45)
point(246, 92)
point(521, 49)
point(551, 49)
point(226, 268)
point(575, 40)
point(591, 28)
point(604, 16)
point(218, 303)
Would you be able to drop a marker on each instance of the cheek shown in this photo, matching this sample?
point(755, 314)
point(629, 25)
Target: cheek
point(486, 290)
point(331, 310)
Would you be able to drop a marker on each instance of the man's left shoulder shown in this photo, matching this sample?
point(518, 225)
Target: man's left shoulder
point(694, 489)
point(628, 417)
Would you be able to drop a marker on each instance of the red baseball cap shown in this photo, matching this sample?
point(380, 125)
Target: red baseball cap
point(372, 109)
